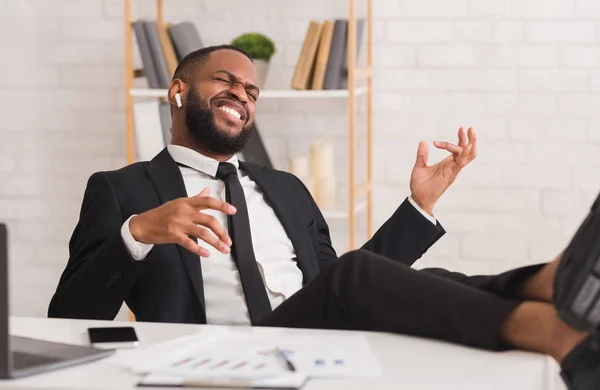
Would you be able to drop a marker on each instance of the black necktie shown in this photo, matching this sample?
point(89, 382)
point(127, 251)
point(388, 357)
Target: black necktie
point(242, 251)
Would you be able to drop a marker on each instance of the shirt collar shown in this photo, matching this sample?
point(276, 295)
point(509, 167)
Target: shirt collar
point(197, 161)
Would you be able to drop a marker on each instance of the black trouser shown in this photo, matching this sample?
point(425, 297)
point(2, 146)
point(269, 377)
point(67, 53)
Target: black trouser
point(366, 291)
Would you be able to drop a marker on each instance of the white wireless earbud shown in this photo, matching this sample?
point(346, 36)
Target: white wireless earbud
point(178, 100)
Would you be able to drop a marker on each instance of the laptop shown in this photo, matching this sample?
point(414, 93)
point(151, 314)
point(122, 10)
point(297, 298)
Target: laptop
point(21, 356)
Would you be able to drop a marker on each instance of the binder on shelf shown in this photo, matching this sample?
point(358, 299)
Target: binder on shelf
point(327, 68)
point(323, 55)
point(156, 53)
point(185, 39)
point(360, 24)
point(146, 54)
point(335, 63)
point(306, 61)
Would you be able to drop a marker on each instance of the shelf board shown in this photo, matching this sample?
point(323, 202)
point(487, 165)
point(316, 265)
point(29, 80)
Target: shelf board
point(266, 94)
point(315, 94)
point(342, 214)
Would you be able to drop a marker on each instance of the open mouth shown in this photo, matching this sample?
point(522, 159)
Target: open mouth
point(233, 110)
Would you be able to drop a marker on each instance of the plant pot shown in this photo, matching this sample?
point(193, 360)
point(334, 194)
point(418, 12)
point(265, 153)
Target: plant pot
point(262, 68)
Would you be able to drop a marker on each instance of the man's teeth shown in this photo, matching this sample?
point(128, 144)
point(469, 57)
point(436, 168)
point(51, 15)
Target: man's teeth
point(231, 111)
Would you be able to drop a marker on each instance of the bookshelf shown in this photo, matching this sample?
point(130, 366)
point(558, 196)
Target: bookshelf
point(359, 194)
point(266, 94)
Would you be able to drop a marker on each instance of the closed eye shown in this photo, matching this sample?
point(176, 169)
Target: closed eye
point(252, 95)
point(250, 92)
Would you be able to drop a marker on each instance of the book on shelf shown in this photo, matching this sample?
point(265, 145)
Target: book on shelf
point(143, 44)
point(185, 39)
point(323, 60)
point(360, 25)
point(333, 72)
point(306, 61)
point(162, 46)
point(322, 55)
point(156, 52)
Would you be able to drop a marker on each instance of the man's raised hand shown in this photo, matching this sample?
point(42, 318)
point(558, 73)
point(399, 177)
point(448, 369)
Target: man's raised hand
point(176, 221)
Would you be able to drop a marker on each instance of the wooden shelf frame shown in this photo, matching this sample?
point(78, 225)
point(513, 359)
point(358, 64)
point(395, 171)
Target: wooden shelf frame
point(354, 74)
point(360, 196)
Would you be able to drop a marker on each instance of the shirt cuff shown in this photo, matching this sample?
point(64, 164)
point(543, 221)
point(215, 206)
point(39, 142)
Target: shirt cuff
point(425, 214)
point(137, 250)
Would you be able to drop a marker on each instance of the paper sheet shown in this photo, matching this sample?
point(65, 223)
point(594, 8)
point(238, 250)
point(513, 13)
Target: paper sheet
point(142, 360)
point(253, 356)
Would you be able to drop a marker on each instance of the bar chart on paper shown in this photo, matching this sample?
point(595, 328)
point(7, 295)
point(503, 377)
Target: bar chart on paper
point(230, 358)
point(253, 357)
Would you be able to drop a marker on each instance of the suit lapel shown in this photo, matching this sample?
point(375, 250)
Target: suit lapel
point(279, 199)
point(166, 177)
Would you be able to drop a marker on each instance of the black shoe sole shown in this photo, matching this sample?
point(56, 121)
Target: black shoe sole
point(577, 281)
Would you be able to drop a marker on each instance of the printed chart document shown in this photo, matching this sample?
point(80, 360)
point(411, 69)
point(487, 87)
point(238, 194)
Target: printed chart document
point(255, 361)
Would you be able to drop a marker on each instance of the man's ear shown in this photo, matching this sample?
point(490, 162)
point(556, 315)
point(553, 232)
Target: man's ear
point(176, 93)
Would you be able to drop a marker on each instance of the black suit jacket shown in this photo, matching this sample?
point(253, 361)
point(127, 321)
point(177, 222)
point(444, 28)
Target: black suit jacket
point(167, 286)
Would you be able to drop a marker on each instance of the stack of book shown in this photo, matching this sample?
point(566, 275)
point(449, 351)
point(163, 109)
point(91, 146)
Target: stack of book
point(162, 46)
point(323, 60)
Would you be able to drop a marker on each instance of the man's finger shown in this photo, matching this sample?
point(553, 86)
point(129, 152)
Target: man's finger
point(462, 139)
point(454, 149)
point(211, 223)
point(192, 246)
point(464, 158)
point(473, 141)
point(208, 237)
point(422, 155)
point(204, 192)
point(206, 202)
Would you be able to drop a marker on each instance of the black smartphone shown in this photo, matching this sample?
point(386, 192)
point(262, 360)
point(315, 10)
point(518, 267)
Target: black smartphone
point(113, 337)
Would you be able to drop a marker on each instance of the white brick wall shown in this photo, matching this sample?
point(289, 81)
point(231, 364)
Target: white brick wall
point(562, 32)
point(522, 72)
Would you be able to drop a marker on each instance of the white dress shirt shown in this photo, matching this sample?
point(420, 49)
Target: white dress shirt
point(274, 252)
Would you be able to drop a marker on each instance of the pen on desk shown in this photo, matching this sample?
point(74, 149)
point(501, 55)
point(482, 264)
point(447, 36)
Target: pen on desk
point(287, 361)
point(228, 384)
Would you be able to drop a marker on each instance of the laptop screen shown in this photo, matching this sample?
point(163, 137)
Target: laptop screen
point(4, 298)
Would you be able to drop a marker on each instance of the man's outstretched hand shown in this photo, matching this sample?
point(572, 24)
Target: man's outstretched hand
point(428, 183)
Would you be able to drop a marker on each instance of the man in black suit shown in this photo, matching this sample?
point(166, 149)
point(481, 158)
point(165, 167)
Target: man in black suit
point(146, 233)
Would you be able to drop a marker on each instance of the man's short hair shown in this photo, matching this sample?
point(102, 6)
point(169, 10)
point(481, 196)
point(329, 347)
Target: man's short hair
point(190, 64)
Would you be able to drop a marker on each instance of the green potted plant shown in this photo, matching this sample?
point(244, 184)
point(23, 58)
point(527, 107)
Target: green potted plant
point(261, 49)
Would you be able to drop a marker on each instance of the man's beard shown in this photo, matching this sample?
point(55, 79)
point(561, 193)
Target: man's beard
point(200, 121)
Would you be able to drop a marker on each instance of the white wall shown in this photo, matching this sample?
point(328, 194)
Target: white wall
point(524, 73)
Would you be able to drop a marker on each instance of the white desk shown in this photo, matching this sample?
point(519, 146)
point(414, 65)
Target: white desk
point(409, 363)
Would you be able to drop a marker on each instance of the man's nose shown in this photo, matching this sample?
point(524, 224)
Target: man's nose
point(238, 90)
